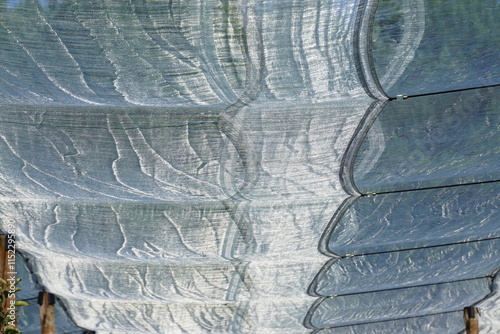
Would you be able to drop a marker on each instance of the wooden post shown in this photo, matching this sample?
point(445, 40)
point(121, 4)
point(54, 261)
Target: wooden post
point(8, 274)
point(47, 314)
point(471, 318)
point(3, 262)
point(3, 255)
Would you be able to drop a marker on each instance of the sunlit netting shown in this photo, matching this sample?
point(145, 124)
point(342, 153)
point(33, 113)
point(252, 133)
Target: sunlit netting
point(253, 166)
point(28, 316)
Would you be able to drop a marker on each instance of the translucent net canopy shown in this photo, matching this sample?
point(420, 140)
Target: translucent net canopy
point(28, 316)
point(237, 167)
point(455, 142)
point(428, 46)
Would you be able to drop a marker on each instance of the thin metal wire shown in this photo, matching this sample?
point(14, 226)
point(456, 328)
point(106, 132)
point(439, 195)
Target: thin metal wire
point(428, 188)
point(444, 92)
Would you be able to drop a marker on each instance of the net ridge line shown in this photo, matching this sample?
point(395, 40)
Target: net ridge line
point(346, 172)
point(363, 60)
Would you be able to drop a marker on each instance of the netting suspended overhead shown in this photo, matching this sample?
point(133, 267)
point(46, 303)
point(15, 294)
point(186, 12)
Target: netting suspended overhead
point(426, 46)
point(426, 167)
point(236, 167)
point(429, 141)
point(28, 317)
point(185, 255)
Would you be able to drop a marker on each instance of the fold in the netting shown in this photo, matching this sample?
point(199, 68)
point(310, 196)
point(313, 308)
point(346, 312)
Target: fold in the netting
point(425, 46)
point(251, 255)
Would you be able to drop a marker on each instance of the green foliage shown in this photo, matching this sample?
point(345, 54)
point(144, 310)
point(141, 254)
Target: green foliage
point(5, 317)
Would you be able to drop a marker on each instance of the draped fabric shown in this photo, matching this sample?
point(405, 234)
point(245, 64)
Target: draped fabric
point(252, 166)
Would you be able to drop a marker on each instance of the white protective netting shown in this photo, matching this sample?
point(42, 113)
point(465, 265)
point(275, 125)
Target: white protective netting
point(172, 166)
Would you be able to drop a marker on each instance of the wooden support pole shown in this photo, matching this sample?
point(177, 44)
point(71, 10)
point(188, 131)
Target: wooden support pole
point(47, 313)
point(471, 318)
point(3, 255)
point(8, 274)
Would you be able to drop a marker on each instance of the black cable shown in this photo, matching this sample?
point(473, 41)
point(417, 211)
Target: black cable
point(424, 247)
point(443, 92)
point(429, 188)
